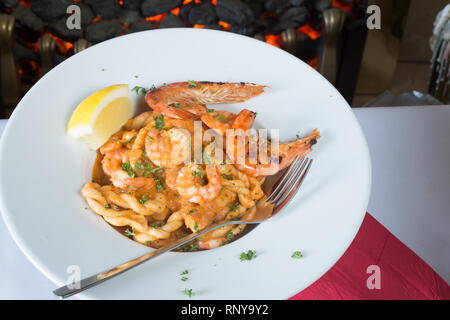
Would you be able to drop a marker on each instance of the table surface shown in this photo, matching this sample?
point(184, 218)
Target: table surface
point(410, 153)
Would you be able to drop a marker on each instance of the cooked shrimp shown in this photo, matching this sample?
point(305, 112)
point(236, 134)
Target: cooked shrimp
point(168, 148)
point(187, 100)
point(287, 153)
point(115, 154)
point(220, 121)
point(191, 185)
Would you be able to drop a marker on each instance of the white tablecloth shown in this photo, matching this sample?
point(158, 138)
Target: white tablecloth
point(410, 149)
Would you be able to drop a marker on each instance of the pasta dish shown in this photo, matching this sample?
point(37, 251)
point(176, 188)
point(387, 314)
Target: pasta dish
point(181, 166)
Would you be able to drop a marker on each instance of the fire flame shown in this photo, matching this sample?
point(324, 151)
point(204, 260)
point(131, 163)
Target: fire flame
point(339, 4)
point(225, 26)
point(274, 40)
point(157, 18)
point(199, 26)
point(309, 31)
point(63, 46)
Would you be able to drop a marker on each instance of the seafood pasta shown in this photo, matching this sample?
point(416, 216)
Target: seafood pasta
point(150, 183)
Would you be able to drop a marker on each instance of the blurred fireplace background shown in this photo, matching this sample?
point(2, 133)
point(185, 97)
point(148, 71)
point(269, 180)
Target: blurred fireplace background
point(320, 32)
point(329, 35)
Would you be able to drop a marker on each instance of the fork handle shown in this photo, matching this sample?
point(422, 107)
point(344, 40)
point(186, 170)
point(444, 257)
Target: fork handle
point(71, 289)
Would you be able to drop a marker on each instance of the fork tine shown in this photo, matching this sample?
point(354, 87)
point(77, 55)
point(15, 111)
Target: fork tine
point(294, 187)
point(291, 179)
point(286, 175)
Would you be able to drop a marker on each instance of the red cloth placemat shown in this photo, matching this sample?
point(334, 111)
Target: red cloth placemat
point(403, 275)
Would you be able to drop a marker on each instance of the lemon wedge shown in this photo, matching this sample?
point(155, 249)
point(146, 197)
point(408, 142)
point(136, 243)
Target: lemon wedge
point(100, 115)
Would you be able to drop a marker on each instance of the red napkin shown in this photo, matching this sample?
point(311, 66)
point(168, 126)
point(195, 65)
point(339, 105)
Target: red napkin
point(403, 275)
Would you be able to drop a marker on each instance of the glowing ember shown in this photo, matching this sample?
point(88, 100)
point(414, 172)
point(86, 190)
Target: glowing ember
point(339, 4)
point(225, 26)
point(314, 63)
point(96, 19)
point(175, 11)
point(121, 2)
point(199, 26)
point(187, 1)
point(274, 40)
point(214, 2)
point(63, 46)
point(158, 17)
point(25, 3)
point(309, 31)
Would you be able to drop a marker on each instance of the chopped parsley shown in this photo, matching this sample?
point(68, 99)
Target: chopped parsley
point(176, 105)
point(127, 168)
point(297, 255)
point(189, 292)
point(221, 118)
point(149, 243)
point(198, 174)
point(226, 177)
point(139, 90)
point(150, 139)
point(129, 232)
point(248, 256)
point(255, 113)
point(184, 279)
point(184, 272)
point(230, 235)
point(192, 84)
point(143, 199)
point(196, 227)
point(129, 140)
point(107, 206)
point(157, 225)
point(159, 122)
point(210, 110)
point(235, 206)
point(159, 183)
point(298, 136)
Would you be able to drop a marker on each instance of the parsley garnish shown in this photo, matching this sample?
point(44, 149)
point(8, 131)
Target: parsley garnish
point(248, 256)
point(226, 177)
point(184, 279)
point(129, 232)
point(143, 199)
point(184, 272)
point(220, 117)
point(159, 122)
point(196, 227)
point(150, 139)
point(157, 225)
point(159, 184)
point(297, 255)
point(210, 110)
point(189, 292)
point(176, 105)
point(139, 90)
point(129, 140)
point(107, 206)
point(127, 168)
point(149, 243)
point(235, 206)
point(198, 173)
point(192, 84)
point(230, 235)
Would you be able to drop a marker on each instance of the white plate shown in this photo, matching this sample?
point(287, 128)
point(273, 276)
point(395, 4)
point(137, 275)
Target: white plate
point(42, 171)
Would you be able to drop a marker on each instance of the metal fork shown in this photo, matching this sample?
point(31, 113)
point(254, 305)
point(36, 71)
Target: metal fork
point(281, 189)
